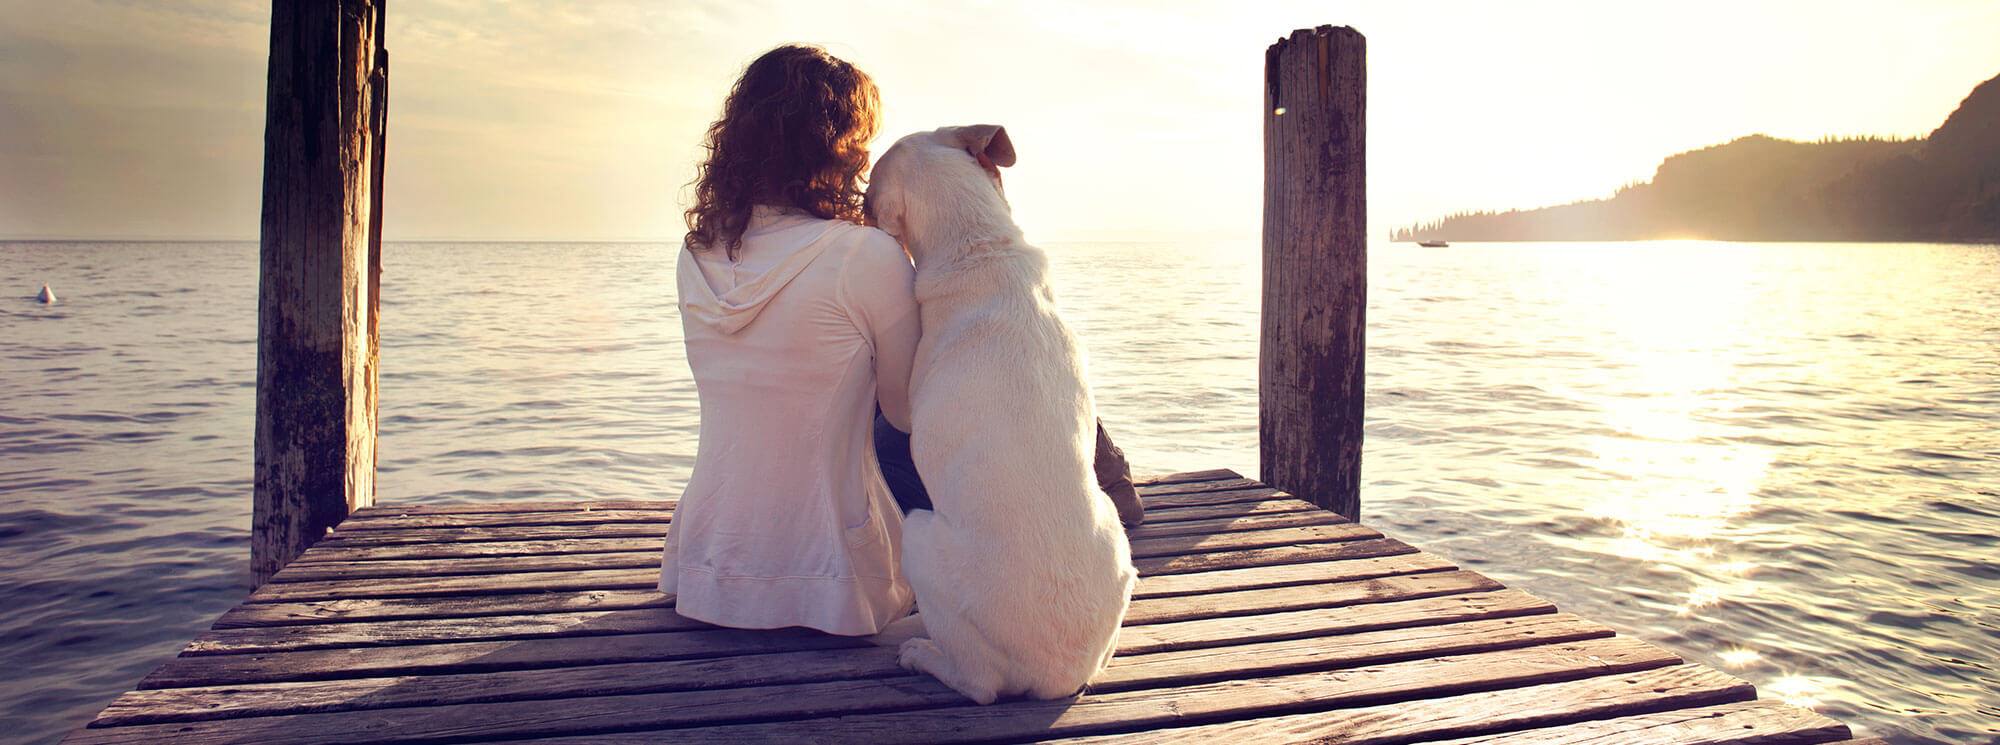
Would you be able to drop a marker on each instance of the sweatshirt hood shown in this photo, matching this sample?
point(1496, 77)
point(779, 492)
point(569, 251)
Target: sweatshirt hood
point(728, 295)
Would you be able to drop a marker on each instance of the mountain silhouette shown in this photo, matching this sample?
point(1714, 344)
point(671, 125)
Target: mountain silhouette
point(1944, 187)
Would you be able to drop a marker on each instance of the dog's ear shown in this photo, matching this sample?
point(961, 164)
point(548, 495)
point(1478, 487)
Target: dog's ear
point(989, 140)
point(877, 207)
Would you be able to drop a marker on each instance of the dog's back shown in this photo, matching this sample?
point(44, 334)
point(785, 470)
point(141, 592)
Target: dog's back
point(1022, 572)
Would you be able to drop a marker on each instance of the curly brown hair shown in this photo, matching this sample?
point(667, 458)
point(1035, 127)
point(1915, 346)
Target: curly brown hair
point(794, 133)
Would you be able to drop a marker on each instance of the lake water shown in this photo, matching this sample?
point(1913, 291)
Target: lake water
point(1778, 459)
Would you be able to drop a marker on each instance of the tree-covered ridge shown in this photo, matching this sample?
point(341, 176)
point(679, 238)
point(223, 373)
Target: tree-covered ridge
point(1944, 187)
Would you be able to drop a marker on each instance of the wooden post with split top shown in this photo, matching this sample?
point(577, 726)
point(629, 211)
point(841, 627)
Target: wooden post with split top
point(1315, 267)
point(319, 284)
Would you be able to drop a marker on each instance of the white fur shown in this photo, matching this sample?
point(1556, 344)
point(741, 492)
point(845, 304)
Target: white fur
point(1022, 571)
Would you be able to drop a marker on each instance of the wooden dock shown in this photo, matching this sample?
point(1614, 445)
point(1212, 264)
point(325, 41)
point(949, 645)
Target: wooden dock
point(1260, 618)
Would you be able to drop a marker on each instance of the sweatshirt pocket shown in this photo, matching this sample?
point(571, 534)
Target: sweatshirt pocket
point(869, 550)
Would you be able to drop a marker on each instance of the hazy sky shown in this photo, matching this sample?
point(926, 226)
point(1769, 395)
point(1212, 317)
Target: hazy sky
point(553, 119)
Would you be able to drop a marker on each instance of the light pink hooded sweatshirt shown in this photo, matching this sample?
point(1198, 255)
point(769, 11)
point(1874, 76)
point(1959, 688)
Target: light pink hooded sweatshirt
point(786, 520)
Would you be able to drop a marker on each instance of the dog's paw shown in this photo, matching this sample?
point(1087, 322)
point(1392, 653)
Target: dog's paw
point(922, 655)
point(919, 655)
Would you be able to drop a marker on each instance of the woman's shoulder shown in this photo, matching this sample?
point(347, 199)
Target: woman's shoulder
point(866, 243)
point(871, 259)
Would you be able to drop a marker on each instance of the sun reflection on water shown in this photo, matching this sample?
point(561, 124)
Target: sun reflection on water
point(1678, 476)
point(1797, 690)
point(1769, 457)
point(1739, 657)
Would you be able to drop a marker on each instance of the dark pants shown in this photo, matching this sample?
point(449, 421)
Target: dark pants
point(892, 450)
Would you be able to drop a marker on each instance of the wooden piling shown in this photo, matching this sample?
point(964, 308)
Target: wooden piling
point(1315, 267)
point(319, 287)
point(378, 98)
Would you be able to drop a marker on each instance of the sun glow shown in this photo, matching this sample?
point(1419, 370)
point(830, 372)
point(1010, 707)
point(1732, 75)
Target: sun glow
point(1740, 657)
point(1797, 690)
point(1686, 480)
point(1679, 477)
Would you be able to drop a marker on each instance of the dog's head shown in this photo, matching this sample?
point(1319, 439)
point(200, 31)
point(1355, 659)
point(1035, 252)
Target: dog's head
point(947, 178)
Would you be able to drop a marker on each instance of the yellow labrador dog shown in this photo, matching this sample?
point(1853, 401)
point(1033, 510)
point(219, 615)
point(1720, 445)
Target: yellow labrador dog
point(1022, 571)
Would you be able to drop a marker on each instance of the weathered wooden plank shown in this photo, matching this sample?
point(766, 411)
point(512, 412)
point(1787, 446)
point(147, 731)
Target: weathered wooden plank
point(1213, 474)
point(323, 554)
point(660, 619)
point(1264, 659)
point(1304, 597)
point(1270, 556)
point(1212, 543)
point(349, 572)
point(633, 588)
point(1235, 524)
point(1290, 574)
point(1146, 485)
point(1167, 509)
point(382, 521)
point(1375, 684)
point(655, 531)
point(1166, 668)
point(1677, 686)
point(268, 699)
point(483, 721)
point(462, 586)
point(488, 584)
point(1739, 723)
point(1150, 491)
point(1254, 493)
point(1150, 554)
point(1167, 514)
point(384, 609)
point(1231, 523)
point(392, 633)
point(474, 508)
point(481, 656)
point(1394, 614)
point(336, 551)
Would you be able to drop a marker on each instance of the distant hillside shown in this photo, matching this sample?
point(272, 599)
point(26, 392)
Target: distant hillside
point(1944, 187)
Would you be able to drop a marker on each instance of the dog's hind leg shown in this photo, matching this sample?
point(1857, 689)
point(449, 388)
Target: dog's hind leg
point(925, 656)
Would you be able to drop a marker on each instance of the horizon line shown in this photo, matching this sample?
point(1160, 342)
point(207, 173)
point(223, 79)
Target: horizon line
point(628, 241)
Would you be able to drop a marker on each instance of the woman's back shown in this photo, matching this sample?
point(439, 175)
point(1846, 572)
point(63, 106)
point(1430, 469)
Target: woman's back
point(786, 520)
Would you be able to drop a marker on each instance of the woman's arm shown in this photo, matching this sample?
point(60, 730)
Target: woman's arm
point(895, 350)
point(882, 287)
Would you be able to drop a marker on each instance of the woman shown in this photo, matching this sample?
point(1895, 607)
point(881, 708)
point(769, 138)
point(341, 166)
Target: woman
point(798, 321)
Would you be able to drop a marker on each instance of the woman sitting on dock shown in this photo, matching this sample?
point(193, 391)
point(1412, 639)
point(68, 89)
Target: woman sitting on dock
point(798, 321)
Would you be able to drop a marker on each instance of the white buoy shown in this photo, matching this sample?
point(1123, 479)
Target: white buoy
point(47, 295)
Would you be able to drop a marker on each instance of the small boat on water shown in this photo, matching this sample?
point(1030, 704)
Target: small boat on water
point(1432, 244)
